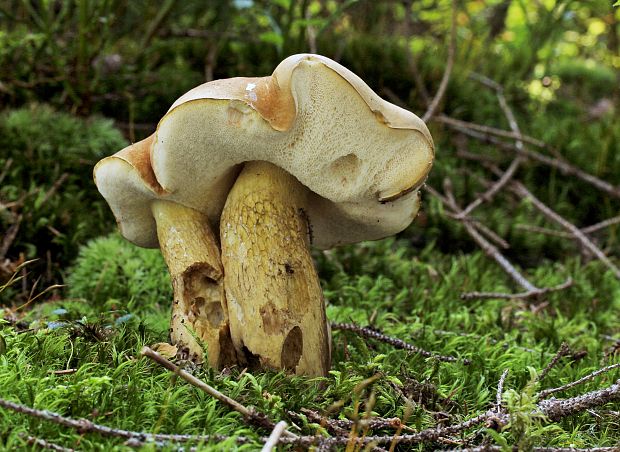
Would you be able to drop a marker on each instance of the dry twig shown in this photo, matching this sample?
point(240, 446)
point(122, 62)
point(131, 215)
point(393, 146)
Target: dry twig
point(488, 248)
point(500, 392)
point(520, 190)
point(517, 296)
point(44, 444)
point(556, 409)
point(86, 426)
point(553, 409)
point(250, 414)
point(275, 436)
point(445, 79)
point(487, 130)
point(343, 426)
point(516, 162)
point(395, 342)
point(547, 392)
point(563, 351)
point(563, 166)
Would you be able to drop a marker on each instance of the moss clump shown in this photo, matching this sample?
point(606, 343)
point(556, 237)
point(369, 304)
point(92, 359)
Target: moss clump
point(111, 268)
point(48, 157)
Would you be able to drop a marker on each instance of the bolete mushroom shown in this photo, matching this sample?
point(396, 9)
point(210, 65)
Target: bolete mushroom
point(307, 156)
point(149, 216)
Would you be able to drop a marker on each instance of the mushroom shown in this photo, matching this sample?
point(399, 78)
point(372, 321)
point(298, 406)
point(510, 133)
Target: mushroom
point(323, 161)
point(149, 216)
point(307, 156)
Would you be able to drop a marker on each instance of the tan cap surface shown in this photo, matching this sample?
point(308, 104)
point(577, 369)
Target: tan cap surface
point(362, 157)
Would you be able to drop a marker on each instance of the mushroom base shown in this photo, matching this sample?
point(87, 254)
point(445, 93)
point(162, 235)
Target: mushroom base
point(275, 302)
point(199, 311)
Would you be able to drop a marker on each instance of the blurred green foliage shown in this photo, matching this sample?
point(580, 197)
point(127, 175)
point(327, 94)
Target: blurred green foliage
point(47, 159)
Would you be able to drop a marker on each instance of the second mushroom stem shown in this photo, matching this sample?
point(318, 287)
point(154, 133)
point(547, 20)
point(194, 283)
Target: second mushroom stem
point(275, 302)
point(199, 311)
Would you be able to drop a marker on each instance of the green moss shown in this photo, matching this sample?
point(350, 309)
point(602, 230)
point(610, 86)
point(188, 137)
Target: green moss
point(110, 268)
point(407, 293)
point(49, 158)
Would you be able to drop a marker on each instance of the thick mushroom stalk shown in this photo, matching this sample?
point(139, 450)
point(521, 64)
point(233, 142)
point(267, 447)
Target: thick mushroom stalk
point(150, 216)
point(276, 307)
point(199, 311)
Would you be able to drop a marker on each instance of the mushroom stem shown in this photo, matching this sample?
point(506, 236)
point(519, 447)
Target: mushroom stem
point(199, 312)
point(276, 307)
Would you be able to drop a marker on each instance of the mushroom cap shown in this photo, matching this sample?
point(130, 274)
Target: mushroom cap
point(362, 158)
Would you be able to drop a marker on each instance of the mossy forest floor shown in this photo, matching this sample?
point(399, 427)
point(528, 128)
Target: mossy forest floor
point(407, 295)
point(549, 70)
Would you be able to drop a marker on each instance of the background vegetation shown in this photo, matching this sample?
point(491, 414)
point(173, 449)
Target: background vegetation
point(79, 80)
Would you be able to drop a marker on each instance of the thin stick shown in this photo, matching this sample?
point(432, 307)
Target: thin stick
point(500, 392)
point(602, 225)
point(587, 230)
point(517, 296)
point(274, 438)
point(563, 166)
point(546, 231)
point(253, 416)
point(343, 426)
point(556, 409)
point(520, 190)
point(516, 162)
point(488, 195)
point(553, 409)
point(547, 392)
point(487, 130)
point(395, 342)
point(489, 249)
point(445, 79)
point(43, 444)
point(563, 351)
point(86, 426)
point(5, 169)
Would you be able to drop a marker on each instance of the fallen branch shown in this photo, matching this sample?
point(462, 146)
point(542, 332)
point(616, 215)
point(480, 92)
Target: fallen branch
point(520, 190)
point(274, 438)
point(488, 195)
point(517, 296)
point(395, 342)
point(563, 351)
point(445, 79)
point(489, 249)
point(343, 426)
point(547, 392)
point(556, 409)
point(488, 130)
point(250, 414)
point(601, 225)
point(553, 409)
point(500, 392)
point(86, 426)
point(563, 166)
point(44, 444)
point(587, 230)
